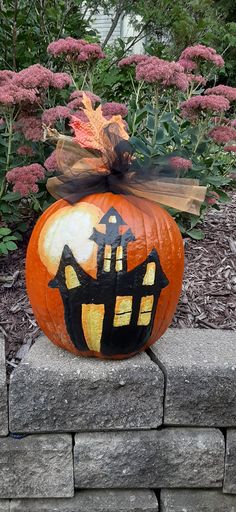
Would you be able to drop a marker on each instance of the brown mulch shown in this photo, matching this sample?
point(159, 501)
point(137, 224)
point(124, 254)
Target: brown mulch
point(208, 299)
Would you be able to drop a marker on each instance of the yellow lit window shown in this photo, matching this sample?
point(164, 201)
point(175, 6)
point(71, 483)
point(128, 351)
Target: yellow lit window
point(119, 257)
point(112, 219)
point(149, 277)
point(107, 258)
point(123, 311)
point(71, 278)
point(145, 311)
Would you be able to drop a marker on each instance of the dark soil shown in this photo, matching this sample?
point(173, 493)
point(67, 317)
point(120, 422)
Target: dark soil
point(208, 299)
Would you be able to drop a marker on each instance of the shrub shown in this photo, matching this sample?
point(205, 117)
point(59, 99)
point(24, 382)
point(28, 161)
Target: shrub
point(168, 112)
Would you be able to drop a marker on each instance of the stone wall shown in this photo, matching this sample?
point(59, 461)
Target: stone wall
point(153, 433)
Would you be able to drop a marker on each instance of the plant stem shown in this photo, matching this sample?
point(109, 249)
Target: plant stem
point(10, 134)
point(155, 117)
point(137, 94)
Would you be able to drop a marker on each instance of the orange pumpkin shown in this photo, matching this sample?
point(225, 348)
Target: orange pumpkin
point(104, 275)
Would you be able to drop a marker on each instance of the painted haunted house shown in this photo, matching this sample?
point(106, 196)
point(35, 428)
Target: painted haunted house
point(113, 313)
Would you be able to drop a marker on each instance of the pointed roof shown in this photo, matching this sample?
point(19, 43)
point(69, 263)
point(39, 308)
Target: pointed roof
point(112, 213)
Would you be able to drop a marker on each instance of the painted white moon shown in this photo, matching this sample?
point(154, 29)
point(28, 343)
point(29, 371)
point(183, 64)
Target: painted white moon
point(72, 226)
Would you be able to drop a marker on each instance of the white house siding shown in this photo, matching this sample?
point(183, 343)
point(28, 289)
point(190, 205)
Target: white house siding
point(124, 29)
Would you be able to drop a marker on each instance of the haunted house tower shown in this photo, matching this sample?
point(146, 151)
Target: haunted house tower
point(112, 245)
point(113, 313)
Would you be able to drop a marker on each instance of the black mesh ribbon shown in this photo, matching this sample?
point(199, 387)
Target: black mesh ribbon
point(85, 171)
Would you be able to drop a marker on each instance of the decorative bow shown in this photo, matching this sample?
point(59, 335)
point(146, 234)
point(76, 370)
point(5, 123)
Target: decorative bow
point(100, 159)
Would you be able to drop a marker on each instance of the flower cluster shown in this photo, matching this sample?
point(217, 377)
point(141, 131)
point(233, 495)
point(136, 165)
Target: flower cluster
point(223, 90)
point(25, 151)
point(180, 163)
point(24, 178)
point(11, 94)
point(79, 94)
point(51, 163)
point(51, 115)
point(199, 79)
point(78, 50)
point(30, 126)
point(212, 198)
point(187, 64)
point(6, 75)
point(132, 59)
point(167, 73)
point(114, 109)
point(39, 77)
point(200, 51)
point(231, 149)
point(195, 105)
point(222, 134)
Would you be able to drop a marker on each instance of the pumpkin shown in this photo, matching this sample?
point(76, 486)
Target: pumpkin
point(104, 275)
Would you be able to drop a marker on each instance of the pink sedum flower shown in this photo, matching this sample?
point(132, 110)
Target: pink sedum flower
point(132, 59)
point(80, 115)
point(199, 79)
point(212, 199)
point(79, 94)
point(51, 115)
point(51, 163)
point(231, 149)
point(25, 151)
point(187, 64)
point(39, 77)
point(6, 76)
point(114, 109)
point(154, 70)
point(30, 126)
point(223, 90)
point(180, 163)
point(200, 51)
point(24, 178)
point(194, 106)
point(60, 80)
point(77, 49)
point(222, 134)
point(11, 94)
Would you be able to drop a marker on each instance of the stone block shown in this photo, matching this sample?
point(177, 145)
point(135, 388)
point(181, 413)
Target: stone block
point(200, 369)
point(93, 501)
point(230, 462)
point(55, 391)
point(164, 458)
point(4, 506)
point(3, 391)
point(178, 500)
point(39, 466)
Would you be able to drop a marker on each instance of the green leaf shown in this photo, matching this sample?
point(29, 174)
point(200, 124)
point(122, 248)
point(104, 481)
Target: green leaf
point(11, 196)
point(5, 231)
point(194, 221)
point(3, 249)
point(8, 238)
point(196, 234)
point(168, 116)
point(140, 146)
point(150, 123)
point(11, 246)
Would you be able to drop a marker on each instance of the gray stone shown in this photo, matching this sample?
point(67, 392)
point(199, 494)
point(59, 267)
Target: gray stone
point(4, 506)
point(3, 391)
point(36, 467)
point(53, 391)
point(196, 501)
point(200, 368)
point(230, 463)
point(93, 501)
point(164, 458)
